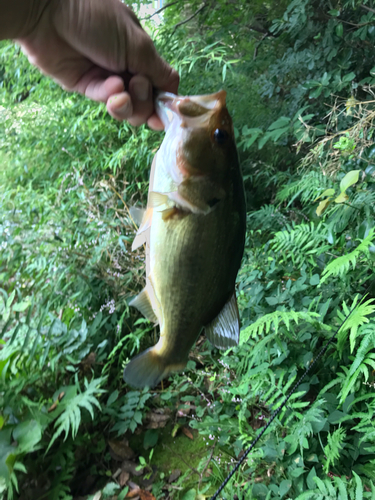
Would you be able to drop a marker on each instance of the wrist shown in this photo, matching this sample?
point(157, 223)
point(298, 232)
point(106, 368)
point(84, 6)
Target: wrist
point(18, 18)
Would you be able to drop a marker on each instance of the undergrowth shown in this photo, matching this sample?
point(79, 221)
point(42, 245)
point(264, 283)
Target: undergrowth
point(69, 174)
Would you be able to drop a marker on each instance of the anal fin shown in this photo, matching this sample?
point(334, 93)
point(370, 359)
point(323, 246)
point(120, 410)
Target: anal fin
point(143, 304)
point(137, 214)
point(224, 331)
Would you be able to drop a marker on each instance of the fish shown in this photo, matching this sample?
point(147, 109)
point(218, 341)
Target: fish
point(193, 229)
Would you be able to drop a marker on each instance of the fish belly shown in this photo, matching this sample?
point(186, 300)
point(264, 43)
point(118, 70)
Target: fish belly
point(194, 261)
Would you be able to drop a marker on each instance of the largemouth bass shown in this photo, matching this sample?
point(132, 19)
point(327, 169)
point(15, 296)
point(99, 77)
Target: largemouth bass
point(194, 231)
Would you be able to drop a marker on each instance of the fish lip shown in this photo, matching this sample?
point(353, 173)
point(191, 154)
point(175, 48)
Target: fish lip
point(167, 104)
point(166, 108)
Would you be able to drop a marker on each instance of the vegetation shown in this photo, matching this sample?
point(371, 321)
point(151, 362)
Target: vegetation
point(300, 78)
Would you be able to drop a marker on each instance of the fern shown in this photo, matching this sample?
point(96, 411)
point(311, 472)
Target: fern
point(266, 218)
point(303, 427)
point(338, 488)
point(341, 265)
point(299, 243)
point(363, 357)
point(264, 323)
point(334, 446)
point(307, 187)
point(70, 419)
point(358, 317)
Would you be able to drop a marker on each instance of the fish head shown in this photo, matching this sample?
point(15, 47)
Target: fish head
point(199, 134)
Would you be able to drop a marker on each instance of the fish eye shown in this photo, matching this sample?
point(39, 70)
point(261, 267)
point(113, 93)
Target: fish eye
point(220, 136)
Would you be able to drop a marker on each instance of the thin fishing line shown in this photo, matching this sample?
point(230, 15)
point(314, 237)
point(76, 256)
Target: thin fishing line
point(276, 412)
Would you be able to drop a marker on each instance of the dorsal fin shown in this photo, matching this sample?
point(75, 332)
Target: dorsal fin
point(224, 331)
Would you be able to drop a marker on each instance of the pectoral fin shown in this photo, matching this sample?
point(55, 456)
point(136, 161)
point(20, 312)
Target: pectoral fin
point(156, 199)
point(224, 331)
point(141, 236)
point(143, 304)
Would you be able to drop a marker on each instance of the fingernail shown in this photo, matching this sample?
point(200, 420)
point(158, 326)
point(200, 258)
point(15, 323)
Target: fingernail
point(141, 91)
point(124, 109)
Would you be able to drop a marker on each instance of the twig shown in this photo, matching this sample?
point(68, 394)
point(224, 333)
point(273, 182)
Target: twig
point(205, 467)
point(159, 10)
point(258, 45)
point(368, 8)
point(259, 29)
point(189, 18)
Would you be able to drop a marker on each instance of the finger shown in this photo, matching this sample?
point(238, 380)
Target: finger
point(144, 59)
point(97, 85)
point(140, 91)
point(155, 123)
point(120, 106)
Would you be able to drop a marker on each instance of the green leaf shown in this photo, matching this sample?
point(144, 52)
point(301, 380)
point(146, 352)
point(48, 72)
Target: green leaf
point(189, 495)
point(310, 479)
point(28, 434)
point(327, 192)
point(349, 77)
point(349, 179)
point(279, 123)
point(314, 280)
point(359, 488)
point(341, 198)
point(150, 438)
point(339, 30)
point(21, 306)
point(323, 205)
point(285, 486)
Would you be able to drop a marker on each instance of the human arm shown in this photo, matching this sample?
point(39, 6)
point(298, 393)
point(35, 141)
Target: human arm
point(94, 47)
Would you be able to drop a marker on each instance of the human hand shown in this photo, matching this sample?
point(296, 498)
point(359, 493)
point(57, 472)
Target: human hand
point(99, 49)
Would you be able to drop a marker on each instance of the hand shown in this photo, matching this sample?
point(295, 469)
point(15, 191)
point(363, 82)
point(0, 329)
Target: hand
point(99, 49)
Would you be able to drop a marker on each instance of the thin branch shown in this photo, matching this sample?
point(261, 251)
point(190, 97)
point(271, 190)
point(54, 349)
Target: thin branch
point(205, 467)
point(189, 18)
point(159, 10)
point(369, 9)
point(259, 30)
point(258, 45)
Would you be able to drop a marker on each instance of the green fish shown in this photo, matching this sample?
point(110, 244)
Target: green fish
point(194, 232)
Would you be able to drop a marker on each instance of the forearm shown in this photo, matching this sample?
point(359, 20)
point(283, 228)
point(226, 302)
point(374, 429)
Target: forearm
point(19, 17)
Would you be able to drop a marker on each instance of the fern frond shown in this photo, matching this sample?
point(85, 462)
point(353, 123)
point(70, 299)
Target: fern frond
point(341, 265)
point(300, 242)
point(358, 317)
point(307, 187)
point(264, 323)
point(267, 217)
point(70, 419)
point(332, 449)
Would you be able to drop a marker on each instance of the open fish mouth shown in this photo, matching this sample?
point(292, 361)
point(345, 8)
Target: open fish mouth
point(194, 110)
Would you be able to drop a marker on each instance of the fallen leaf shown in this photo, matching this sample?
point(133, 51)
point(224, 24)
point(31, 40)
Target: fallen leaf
point(146, 495)
point(157, 420)
point(120, 450)
point(123, 478)
point(54, 405)
point(176, 473)
point(133, 486)
point(133, 494)
point(187, 433)
point(208, 473)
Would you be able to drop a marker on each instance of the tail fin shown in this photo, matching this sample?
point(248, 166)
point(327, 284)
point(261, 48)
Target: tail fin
point(146, 369)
